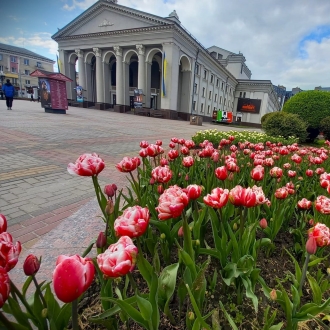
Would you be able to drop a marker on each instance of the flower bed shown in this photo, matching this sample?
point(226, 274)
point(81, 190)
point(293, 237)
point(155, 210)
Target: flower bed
point(235, 236)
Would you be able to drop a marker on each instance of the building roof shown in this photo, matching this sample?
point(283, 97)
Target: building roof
point(22, 51)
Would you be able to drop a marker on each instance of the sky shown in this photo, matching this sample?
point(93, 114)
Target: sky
point(285, 41)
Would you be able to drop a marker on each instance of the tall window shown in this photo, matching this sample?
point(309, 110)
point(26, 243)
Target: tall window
point(210, 95)
point(26, 61)
point(27, 72)
point(244, 95)
point(205, 74)
point(202, 107)
point(208, 109)
point(212, 77)
point(195, 88)
point(197, 68)
point(215, 97)
point(218, 83)
point(240, 94)
point(203, 94)
point(224, 102)
point(222, 85)
point(220, 101)
point(194, 105)
point(13, 59)
point(13, 70)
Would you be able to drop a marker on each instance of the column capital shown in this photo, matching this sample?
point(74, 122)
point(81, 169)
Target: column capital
point(79, 52)
point(118, 50)
point(97, 52)
point(141, 49)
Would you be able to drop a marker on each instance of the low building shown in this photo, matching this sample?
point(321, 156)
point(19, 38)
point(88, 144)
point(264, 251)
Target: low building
point(17, 63)
point(121, 49)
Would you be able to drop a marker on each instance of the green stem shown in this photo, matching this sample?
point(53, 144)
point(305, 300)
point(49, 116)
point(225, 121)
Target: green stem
point(97, 191)
point(137, 190)
point(304, 272)
point(74, 315)
point(187, 242)
point(132, 281)
point(6, 322)
point(241, 224)
point(39, 291)
point(14, 290)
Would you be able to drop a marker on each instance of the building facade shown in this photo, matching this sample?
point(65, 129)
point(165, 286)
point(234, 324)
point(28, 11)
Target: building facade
point(119, 49)
point(17, 63)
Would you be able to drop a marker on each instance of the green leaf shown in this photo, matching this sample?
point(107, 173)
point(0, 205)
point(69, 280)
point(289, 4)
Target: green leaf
point(315, 262)
point(144, 307)
point(63, 317)
point(131, 311)
point(312, 309)
point(277, 326)
point(317, 294)
point(53, 308)
point(26, 285)
point(145, 268)
point(228, 317)
point(19, 315)
point(153, 298)
point(249, 292)
point(188, 262)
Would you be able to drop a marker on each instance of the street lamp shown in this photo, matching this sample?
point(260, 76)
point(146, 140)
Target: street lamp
point(2, 77)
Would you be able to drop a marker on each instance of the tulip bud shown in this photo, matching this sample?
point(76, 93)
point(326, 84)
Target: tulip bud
point(109, 191)
point(152, 181)
point(101, 241)
point(109, 209)
point(235, 226)
point(160, 189)
point(328, 271)
point(44, 313)
point(114, 187)
point(180, 232)
point(191, 316)
point(263, 223)
point(3, 223)
point(197, 242)
point(311, 222)
point(162, 236)
point(311, 246)
point(273, 295)
point(187, 177)
point(31, 265)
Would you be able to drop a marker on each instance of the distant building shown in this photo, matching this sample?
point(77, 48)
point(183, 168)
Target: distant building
point(17, 63)
point(281, 93)
point(325, 89)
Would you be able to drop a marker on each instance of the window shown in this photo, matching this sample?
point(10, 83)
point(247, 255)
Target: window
point(38, 64)
point(195, 88)
point(15, 81)
point(197, 68)
point(13, 59)
point(1, 67)
point(1, 57)
point(194, 105)
point(222, 85)
point(205, 74)
point(224, 102)
point(208, 109)
point(27, 82)
point(226, 89)
point(244, 94)
point(210, 95)
point(212, 77)
point(215, 97)
point(220, 101)
point(203, 94)
point(229, 91)
point(240, 94)
point(13, 70)
point(26, 61)
point(202, 107)
point(218, 82)
point(27, 72)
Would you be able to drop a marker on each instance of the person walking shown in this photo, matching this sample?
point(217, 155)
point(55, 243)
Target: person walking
point(9, 91)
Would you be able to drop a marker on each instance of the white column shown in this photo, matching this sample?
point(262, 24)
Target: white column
point(119, 75)
point(106, 82)
point(148, 85)
point(99, 75)
point(142, 68)
point(81, 68)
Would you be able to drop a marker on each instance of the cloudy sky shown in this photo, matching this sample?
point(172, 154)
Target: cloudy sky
point(286, 41)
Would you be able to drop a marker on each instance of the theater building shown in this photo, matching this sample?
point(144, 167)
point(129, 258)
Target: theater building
point(120, 49)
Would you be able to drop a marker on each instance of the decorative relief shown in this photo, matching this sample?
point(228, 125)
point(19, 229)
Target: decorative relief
point(97, 52)
point(141, 49)
point(79, 52)
point(105, 23)
point(118, 50)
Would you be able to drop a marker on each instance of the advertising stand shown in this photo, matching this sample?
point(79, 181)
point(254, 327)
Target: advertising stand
point(52, 90)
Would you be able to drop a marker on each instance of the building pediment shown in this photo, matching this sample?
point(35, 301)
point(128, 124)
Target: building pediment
point(106, 16)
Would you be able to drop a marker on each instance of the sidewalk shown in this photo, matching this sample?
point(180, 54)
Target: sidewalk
point(48, 210)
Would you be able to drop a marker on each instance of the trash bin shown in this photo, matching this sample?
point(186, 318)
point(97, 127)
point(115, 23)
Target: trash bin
point(196, 120)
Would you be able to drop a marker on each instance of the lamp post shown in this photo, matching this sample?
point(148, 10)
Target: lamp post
point(2, 77)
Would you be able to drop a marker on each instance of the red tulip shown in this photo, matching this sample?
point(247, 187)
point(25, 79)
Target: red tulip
point(163, 161)
point(172, 145)
point(276, 172)
point(161, 174)
point(172, 154)
point(297, 159)
point(154, 150)
point(171, 203)
point(269, 162)
point(215, 156)
point(72, 277)
point(189, 144)
point(258, 173)
point(311, 246)
point(159, 142)
point(184, 150)
point(287, 166)
point(31, 265)
point(188, 161)
point(240, 196)
point(322, 204)
point(309, 173)
point(174, 139)
point(260, 195)
point(218, 198)
point(8, 251)
point(119, 259)
point(144, 144)
point(3, 223)
point(101, 241)
point(263, 223)
point(321, 233)
point(87, 165)
point(281, 193)
point(109, 191)
point(292, 174)
point(193, 191)
point(4, 286)
point(221, 173)
point(143, 153)
point(133, 222)
point(128, 164)
point(304, 204)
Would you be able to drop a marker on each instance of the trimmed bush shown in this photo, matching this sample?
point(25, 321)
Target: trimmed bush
point(265, 117)
point(286, 125)
point(325, 127)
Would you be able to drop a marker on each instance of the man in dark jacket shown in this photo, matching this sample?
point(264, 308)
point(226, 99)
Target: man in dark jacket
point(9, 91)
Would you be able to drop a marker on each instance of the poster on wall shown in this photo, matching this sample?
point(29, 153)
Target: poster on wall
point(45, 94)
point(79, 91)
point(248, 105)
point(58, 94)
point(138, 98)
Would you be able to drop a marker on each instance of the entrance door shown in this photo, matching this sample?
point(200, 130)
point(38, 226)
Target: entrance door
point(114, 99)
point(151, 102)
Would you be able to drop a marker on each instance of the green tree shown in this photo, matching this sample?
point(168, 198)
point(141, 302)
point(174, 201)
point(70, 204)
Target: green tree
point(312, 107)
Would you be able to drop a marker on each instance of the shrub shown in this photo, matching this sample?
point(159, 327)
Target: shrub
point(286, 125)
point(265, 117)
point(325, 127)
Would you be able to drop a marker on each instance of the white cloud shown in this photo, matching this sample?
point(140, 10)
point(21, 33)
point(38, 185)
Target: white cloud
point(84, 4)
point(41, 40)
point(14, 18)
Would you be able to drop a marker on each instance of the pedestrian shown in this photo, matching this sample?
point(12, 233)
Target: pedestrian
point(32, 99)
point(9, 91)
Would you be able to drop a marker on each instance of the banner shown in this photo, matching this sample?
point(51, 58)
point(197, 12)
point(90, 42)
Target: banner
point(164, 76)
point(45, 93)
point(58, 64)
point(248, 105)
point(79, 91)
